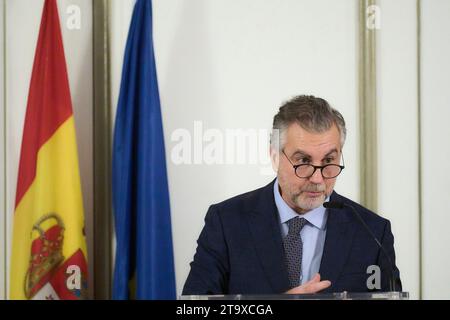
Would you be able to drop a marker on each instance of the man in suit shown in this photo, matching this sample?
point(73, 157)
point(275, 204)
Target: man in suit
point(280, 238)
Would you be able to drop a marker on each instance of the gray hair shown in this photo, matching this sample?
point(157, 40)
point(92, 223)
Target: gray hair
point(311, 113)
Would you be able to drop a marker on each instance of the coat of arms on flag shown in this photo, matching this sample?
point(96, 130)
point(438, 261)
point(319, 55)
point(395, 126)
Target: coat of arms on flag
point(47, 268)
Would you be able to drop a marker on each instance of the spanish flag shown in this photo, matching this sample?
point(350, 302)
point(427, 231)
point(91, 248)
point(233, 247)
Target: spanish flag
point(48, 259)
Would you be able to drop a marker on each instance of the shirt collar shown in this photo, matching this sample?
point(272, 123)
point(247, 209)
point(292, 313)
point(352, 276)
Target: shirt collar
point(317, 217)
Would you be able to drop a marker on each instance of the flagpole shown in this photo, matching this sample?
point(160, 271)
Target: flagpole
point(102, 152)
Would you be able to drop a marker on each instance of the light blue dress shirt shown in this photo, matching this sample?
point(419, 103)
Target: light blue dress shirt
point(313, 233)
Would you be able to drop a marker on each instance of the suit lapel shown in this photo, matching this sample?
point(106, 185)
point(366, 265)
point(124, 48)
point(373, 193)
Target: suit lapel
point(264, 228)
point(338, 242)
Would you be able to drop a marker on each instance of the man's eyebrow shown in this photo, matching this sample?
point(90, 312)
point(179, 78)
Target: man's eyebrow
point(305, 154)
point(301, 153)
point(331, 152)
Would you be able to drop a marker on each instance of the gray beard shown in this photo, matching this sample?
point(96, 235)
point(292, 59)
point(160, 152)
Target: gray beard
point(308, 205)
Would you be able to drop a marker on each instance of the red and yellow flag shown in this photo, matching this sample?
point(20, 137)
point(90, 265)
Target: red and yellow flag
point(48, 259)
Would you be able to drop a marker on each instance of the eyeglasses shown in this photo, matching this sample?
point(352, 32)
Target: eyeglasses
point(328, 171)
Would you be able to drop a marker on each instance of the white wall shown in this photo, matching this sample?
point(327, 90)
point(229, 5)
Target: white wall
point(398, 133)
point(435, 100)
point(230, 64)
point(22, 27)
point(421, 237)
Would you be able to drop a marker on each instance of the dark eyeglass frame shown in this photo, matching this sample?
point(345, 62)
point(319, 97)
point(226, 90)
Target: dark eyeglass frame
point(296, 166)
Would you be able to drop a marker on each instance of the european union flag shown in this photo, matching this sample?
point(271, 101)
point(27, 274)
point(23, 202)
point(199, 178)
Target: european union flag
point(144, 252)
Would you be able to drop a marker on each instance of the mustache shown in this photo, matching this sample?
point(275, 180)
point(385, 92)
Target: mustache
point(314, 188)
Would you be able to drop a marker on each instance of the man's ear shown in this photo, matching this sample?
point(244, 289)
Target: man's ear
point(274, 158)
point(274, 149)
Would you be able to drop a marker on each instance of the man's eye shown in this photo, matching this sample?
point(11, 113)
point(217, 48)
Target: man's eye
point(329, 160)
point(304, 160)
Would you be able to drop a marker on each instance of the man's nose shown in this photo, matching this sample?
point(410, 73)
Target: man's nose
point(316, 178)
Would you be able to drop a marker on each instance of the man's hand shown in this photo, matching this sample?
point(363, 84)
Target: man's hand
point(312, 286)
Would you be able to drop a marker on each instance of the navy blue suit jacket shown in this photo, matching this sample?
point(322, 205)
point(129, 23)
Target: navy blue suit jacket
point(240, 248)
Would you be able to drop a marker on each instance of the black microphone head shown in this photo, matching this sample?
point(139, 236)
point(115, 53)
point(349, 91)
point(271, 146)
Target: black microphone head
point(333, 205)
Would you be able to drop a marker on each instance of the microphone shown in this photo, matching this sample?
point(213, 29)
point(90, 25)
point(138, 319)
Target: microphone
point(341, 205)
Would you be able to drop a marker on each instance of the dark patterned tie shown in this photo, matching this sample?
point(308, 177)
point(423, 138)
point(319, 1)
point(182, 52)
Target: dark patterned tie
point(293, 249)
